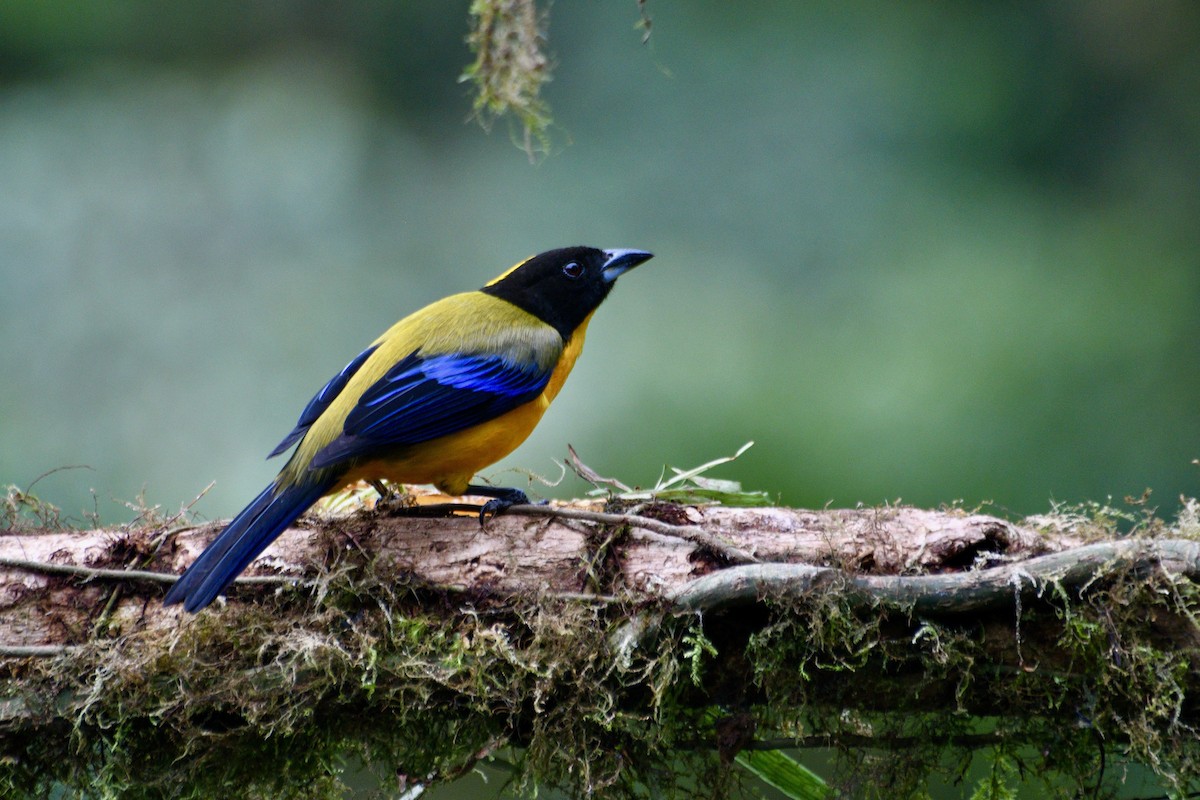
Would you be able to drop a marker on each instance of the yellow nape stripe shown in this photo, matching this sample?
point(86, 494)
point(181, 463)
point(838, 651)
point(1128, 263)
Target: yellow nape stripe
point(508, 272)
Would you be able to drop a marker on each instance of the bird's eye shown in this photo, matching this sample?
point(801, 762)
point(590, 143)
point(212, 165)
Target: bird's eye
point(572, 269)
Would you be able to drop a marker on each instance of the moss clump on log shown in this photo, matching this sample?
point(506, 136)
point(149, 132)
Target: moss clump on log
point(244, 702)
point(1076, 686)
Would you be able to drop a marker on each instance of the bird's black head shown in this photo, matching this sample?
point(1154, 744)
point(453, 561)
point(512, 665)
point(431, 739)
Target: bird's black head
point(561, 287)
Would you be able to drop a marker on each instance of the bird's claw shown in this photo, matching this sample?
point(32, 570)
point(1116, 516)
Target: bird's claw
point(490, 509)
point(501, 503)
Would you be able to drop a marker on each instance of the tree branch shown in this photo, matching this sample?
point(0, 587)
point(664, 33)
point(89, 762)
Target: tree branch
point(532, 549)
point(465, 636)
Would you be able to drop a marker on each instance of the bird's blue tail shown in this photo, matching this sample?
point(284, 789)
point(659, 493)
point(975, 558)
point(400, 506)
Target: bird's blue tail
point(244, 538)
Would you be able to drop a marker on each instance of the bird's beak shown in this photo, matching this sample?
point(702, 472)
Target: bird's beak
point(618, 262)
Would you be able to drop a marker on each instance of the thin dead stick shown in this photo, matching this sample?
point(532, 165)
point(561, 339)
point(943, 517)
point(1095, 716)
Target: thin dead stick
point(690, 533)
point(35, 650)
point(100, 573)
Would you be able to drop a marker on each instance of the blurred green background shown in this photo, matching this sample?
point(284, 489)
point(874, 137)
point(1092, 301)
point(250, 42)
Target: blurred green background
point(930, 252)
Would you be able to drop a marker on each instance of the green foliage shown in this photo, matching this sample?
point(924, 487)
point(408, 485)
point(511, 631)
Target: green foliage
point(1000, 782)
point(696, 647)
point(784, 773)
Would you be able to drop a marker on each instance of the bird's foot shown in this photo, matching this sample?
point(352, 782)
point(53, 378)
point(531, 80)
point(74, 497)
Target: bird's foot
point(503, 498)
point(435, 510)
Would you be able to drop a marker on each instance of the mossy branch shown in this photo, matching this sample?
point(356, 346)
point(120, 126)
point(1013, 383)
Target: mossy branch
point(894, 628)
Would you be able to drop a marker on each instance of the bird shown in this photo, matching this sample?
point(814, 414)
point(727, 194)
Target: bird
point(442, 394)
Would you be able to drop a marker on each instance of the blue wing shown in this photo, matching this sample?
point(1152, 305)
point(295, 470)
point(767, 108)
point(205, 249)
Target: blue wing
point(422, 398)
point(321, 401)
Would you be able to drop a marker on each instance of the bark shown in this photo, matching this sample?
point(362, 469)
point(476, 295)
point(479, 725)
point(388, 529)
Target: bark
point(55, 585)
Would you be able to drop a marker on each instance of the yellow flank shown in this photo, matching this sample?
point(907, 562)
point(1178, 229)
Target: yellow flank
point(448, 462)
